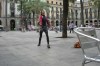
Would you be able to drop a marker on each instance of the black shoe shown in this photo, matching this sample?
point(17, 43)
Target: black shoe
point(48, 46)
point(38, 45)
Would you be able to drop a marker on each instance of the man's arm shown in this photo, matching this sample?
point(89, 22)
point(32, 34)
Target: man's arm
point(40, 20)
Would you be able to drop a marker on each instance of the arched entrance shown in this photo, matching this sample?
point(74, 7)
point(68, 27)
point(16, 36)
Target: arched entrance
point(76, 23)
point(57, 23)
point(68, 23)
point(0, 22)
point(95, 23)
point(86, 21)
point(12, 24)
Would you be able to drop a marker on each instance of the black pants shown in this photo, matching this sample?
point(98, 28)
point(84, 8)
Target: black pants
point(44, 29)
point(71, 30)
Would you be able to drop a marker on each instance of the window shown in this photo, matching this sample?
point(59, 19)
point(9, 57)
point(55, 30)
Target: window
point(76, 13)
point(52, 12)
point(86, 13)
point(90, 10)
point(52, 9)
point(48, 16)
point(56, 2)
point(0, 22)
point(61, 12)
point(57, 13)
point(86, 10)
point(90, 13)
point(95, 13)
point(12, 9)
point(98, 13)
point(60, 3)
point(47, 1)
point(72, 14)
point(52, 2)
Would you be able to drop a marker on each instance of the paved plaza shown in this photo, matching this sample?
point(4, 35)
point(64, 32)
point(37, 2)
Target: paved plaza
point(20, 49)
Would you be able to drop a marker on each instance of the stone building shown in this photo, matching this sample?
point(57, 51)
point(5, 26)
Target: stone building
point(56, 11)
point(90, 14)
point(9, 16)
point(12, 21)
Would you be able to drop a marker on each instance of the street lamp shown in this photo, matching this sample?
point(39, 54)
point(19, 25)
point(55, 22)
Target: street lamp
point(61, 16)
point(21, 7)
point(6, 16)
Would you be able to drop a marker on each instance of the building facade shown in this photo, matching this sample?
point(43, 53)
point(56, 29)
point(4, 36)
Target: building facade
point(90, 14)
point(10, 16)
point(56, 11)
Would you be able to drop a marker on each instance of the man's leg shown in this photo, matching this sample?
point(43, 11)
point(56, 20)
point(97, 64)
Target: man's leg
point(73, 30)
point(41, 31)
point(46, 32)
point(70, 30)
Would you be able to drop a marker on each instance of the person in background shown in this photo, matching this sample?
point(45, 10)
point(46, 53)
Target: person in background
point(23, 27)
point(90, 25)
point(44, 24)
point(71, 27)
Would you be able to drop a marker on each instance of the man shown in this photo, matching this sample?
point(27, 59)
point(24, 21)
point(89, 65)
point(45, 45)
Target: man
point(71, 27)
point(44, 24)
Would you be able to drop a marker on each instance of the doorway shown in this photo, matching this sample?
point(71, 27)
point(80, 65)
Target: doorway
point(12, 25)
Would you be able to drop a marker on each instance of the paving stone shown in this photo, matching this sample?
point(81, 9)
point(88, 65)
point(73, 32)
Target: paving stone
point(20, 49)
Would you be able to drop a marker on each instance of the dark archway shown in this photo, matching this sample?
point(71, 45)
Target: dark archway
point(0, 22)
point(76, 23)
point(91, 21)
point(12, 24)
point(86, 21)
point(68, 23)
point(95, 23)
point(57, 23)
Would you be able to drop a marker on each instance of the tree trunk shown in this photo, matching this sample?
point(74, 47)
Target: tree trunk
point(6, 16)
point(65, 14)
point(82, 15)
point(98, 18)
point(21, 13)
point(33, 18)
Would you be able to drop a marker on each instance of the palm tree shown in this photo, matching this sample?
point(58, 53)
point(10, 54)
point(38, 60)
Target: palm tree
point(38, 6)
point(65, 15)
point(82, 14)
point(33, 6)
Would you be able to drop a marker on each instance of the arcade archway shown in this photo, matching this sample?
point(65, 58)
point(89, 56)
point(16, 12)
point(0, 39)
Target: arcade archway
point(12, 24)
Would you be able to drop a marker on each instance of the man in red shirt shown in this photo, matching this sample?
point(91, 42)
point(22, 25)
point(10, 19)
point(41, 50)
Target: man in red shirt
point(44, 24)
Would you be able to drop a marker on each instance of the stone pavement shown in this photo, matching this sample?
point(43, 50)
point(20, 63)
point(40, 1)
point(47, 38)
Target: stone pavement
point(20, 49)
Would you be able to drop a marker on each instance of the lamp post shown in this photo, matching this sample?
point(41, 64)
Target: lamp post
point(61, 16)
point(61, 21)
point(21, 8)
point(6, 16)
